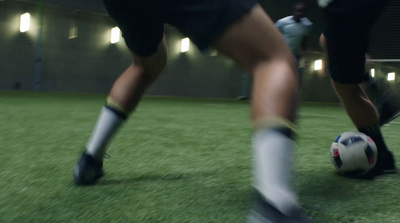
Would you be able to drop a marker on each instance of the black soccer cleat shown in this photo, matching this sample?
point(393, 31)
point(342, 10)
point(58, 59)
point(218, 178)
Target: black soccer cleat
point(386, 162)
point(88, 170)
point(264, 212)
point(384, 165)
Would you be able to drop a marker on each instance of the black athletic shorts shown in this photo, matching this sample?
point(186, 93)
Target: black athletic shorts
point(142, 21)
point(347, 36)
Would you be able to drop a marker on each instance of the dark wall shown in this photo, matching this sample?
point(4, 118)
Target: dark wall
point(276, 9)
point(385, 38)
point(196, 74)
point(16, 50)
point(90, 63)
point(385, 35)
point(87, 5)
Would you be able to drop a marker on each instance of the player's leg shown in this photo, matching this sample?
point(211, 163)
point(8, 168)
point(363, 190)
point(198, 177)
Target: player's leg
point(347, 41)
point(130, 86)
point(365, 117)
point(144, 36)
point(385, 100)
point(122, 100)
point(255, 44)
point(356, 102)
point(127, 92)
point(265, 55)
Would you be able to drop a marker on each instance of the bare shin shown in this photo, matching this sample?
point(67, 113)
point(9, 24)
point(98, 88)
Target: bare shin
point(357, 104)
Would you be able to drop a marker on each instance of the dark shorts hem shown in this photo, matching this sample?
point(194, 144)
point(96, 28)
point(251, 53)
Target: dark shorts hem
point(142, 22)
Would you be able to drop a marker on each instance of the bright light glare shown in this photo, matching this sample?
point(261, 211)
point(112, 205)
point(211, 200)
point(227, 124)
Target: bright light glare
point(318, 65)
point(115, 34)
point(185, 45)
point(391, 76)
point(25, 22)
point(372, 72)
point(73, 32)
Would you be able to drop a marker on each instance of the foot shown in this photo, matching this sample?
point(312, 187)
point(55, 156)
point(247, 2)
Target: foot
point(386, 162)
point(88, 170)
point(264, 212)
point(384, 165)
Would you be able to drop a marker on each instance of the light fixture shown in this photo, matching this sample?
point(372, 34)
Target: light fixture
point(372, 72)
point(73, 32)
point(185, 45)
point(115, 34)
point(25, 22)
point(318, 65)
point(391, 76)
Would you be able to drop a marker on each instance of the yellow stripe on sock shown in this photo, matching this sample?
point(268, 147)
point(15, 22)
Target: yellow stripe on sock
point(116, 105)
point(273, 122)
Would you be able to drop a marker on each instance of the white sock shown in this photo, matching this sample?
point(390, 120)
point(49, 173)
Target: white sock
point(106, 126)
point(273, 168)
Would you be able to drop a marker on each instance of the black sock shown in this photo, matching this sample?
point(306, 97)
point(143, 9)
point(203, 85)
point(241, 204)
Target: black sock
point(288, 132)
point(117, 112)
point(375, 133)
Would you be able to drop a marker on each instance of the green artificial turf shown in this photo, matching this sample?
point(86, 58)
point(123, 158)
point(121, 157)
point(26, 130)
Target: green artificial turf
point(175, 160)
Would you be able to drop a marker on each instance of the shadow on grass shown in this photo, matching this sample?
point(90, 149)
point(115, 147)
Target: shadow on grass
point(335, 185)
point(151, 177)
point(327, 195)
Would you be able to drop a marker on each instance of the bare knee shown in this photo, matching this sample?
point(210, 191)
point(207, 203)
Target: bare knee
point(347, 90)
point(150, 73)
point(151, 67)
point(285, 66)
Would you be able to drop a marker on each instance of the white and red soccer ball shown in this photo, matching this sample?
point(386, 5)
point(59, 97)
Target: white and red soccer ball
point(353, 153)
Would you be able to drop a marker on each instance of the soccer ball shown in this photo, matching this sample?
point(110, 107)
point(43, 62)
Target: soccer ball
point(353, 153)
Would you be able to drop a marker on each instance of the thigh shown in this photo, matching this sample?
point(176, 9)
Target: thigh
point(254, 39)
point(203, 21)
